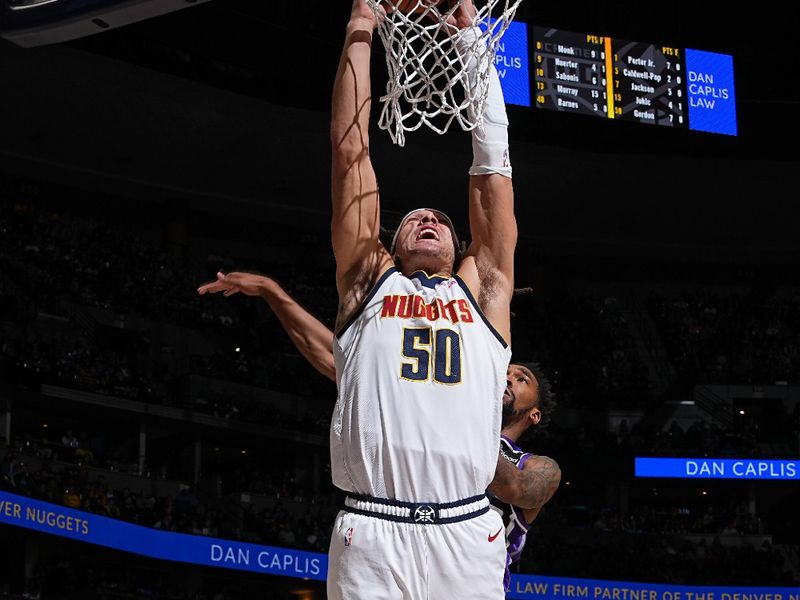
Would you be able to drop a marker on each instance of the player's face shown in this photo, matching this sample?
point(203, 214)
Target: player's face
point(521, 398)
point(425, 239)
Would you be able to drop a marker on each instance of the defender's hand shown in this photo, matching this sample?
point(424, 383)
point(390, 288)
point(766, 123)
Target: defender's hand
point(249, 284)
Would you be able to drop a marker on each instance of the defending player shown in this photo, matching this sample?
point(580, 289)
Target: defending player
point(527, 402)
point(526, 479)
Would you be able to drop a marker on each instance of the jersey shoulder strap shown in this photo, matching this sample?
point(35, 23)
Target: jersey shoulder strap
point(513, 453)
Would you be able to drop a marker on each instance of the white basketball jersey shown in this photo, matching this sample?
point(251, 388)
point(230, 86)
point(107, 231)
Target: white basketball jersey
point(421, 374)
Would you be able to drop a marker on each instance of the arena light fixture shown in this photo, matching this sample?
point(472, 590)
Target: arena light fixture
point(25, 4)
point(30, 23)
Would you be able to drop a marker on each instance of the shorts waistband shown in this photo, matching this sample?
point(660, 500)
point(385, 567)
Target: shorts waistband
point(421, 513)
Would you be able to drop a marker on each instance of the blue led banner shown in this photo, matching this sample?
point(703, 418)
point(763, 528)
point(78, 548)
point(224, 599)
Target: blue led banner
point(559, 588)
point(717, 468)
point(711, 95)
point(145, 541)
point(214, 552)
point(511, 62)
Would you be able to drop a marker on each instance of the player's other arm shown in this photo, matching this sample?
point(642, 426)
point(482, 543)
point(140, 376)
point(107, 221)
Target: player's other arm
point(529, 488)
point(355, 222)
point(489, 263)
point(313, 339)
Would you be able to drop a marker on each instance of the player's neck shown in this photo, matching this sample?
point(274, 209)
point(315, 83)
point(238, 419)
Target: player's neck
point(429, 271)
point(432, 268)
point(510, 434)
point(514, 431)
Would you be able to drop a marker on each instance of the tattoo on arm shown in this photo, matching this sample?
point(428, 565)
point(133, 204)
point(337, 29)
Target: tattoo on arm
point(530, 488)
point(505, 482)
point(538, 482)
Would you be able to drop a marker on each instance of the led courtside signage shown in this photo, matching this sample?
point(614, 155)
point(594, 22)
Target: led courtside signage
point(145, 541)
point(717, 468)
point(80, 526)
point(553, 588)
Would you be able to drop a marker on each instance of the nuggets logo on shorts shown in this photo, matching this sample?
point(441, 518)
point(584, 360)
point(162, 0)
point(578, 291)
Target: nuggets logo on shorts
point(424, 514)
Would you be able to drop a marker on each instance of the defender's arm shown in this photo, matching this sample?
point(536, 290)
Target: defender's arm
point(530, 488)
point(313, 339)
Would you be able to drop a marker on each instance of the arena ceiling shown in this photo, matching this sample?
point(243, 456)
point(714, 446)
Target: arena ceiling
point(285, 51)
point(226, 102)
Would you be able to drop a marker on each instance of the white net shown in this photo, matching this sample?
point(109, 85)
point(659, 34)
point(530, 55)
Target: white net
point(438, 72)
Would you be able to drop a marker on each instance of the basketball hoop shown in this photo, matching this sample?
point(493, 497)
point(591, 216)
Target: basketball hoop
point(437, 73)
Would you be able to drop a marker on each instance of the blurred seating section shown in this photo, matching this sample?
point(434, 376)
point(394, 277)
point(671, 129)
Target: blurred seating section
point(125, 394)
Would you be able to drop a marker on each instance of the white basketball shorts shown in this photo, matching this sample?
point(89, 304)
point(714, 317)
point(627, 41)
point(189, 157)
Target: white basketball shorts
point(376, 559)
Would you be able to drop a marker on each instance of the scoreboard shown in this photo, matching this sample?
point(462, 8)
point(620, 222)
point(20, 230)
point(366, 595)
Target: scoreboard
point(618, 79)
point(633, 81)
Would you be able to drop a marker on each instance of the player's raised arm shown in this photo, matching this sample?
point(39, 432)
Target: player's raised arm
point(310, 336)
point(355, 224)
point(489, 264)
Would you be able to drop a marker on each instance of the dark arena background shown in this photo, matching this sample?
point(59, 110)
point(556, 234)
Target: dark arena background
point(159, 444)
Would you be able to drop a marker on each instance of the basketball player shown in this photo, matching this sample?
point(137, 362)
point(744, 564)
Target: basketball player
point(420, 363)
point(528, 479)
point(421, 352)
point(527, 402)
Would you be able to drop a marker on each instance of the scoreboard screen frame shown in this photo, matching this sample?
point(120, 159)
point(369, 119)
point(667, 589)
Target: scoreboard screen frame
point(626, 80)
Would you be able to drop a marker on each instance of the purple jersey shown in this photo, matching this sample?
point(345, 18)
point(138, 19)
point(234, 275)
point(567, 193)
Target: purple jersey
point(516, 525)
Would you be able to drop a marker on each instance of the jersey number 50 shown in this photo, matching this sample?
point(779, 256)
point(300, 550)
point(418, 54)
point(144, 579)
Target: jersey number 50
point(438, 351)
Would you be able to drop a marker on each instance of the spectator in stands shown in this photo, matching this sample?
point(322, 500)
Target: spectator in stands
point(71, 498)
point(69, 440)
point(84, 454)
point(10, 469)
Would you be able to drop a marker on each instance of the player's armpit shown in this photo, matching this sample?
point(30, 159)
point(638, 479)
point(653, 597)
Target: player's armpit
point(354, 285)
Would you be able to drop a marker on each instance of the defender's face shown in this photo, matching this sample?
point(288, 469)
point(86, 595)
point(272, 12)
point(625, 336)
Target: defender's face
point(521, 398)
point(423, 233)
